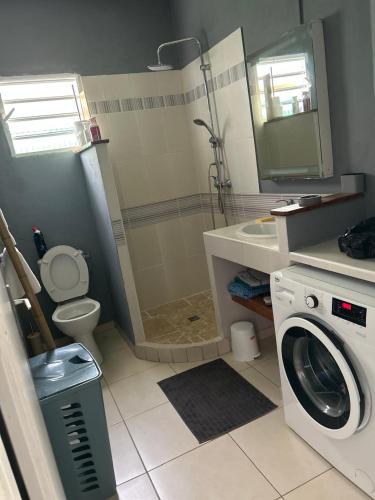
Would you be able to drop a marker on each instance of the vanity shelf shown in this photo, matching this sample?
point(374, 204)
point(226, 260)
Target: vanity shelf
point(257, 305)
point(288, 117)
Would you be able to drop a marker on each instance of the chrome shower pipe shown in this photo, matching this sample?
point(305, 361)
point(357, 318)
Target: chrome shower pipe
point(203, 66)
point(215, 141)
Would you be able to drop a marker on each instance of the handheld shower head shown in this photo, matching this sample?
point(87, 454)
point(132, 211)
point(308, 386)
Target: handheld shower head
point(202, 123)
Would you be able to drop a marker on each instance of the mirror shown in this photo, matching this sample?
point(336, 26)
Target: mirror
point(290, 109)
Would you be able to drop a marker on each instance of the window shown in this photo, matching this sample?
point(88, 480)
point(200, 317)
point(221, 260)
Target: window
point(288, 79)
point(41, 112)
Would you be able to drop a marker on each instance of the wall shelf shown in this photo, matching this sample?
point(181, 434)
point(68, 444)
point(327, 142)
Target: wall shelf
point(255, 304)
point(288, 117)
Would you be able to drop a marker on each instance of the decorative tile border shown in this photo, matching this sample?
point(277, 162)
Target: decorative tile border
point(240, 205)
point(152, 213)
point(118, 232)
point(227, 77)
point(131, 104)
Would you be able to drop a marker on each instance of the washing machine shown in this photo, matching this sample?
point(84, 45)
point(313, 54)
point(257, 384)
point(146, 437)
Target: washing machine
point(325, 332)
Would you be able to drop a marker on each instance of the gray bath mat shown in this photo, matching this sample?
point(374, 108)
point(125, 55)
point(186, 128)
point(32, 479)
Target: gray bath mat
point(213, 399)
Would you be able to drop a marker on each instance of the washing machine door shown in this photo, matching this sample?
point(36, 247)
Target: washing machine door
point(321, 376)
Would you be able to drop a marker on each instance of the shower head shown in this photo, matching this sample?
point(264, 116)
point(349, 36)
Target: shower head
point(166, 67)
point(160, 67)
point(202, 123)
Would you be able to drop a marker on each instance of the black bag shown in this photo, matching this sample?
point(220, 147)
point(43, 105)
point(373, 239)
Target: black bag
point(359, 241)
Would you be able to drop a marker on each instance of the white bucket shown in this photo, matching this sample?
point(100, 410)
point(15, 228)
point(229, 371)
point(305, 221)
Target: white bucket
point(244, 341)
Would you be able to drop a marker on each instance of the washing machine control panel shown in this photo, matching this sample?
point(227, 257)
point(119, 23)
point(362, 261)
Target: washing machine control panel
point(349, 312)
point(312, 301)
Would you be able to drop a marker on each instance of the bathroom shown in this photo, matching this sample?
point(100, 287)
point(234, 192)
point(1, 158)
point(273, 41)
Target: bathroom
point(163, 309)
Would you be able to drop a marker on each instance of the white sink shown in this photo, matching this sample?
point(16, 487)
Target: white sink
point(254, 230)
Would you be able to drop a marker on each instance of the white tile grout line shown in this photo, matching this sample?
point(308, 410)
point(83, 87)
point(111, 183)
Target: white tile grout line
point(137, 477)
point(167, 461)
point(193, 449)
point(144, 411)
point(136, 448)
point(156, 365)
point(265, 376)
point(309, 481)
point(293, 489)
point(199, 445)
point(251, 461)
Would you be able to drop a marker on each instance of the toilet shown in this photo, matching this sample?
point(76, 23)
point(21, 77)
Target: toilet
point(65, 276)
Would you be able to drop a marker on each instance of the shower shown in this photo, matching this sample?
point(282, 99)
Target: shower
point(220, 181)
point(202, 123)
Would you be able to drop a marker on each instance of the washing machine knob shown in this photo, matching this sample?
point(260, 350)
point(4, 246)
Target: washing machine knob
point(312, 301)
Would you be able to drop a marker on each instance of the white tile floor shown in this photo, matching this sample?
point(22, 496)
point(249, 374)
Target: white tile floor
point(156, 456)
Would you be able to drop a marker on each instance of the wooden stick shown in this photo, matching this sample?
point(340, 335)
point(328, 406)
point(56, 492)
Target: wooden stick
point(35, 343)
point(29, 292)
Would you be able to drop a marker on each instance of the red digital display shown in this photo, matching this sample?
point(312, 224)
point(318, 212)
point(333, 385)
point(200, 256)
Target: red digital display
point(346, 306)
point(349, 312)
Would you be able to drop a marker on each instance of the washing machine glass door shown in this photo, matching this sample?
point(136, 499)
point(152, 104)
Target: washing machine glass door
point(321, 376)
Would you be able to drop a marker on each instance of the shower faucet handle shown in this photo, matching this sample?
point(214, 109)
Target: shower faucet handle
point(205, 66)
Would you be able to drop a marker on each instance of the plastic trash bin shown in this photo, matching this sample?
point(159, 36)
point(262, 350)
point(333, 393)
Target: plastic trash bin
point(67, 382)
point(244, 341)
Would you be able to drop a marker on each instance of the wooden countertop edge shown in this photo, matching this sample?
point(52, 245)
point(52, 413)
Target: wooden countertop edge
point(326, 201)
point(91, 144)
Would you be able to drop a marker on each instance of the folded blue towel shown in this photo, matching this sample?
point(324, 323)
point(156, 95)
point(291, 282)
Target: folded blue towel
point(240, 289)
point(253, 278)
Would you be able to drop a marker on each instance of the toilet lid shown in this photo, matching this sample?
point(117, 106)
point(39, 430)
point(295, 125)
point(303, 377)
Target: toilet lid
point(64, 273)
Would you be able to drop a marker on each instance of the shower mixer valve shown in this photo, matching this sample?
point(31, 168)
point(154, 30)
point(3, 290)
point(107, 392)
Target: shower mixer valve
point(226, 183)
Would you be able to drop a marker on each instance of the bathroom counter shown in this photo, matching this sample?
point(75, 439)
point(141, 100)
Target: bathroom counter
point(327, 256)
point(227, 253)
point(299, 237)
point(331, 199)
point(262, 254)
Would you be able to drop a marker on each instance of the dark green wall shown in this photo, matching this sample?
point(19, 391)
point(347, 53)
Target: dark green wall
point(49, 191)
point(89, 37)
point(349, 68)
point(62, 36)
point(213, 20)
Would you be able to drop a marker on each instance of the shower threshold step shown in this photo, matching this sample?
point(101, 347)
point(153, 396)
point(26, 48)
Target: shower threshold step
point(182, 353)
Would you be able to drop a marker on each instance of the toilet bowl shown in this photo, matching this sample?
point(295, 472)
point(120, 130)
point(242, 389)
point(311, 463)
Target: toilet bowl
point(65, 276)
point(78, 320)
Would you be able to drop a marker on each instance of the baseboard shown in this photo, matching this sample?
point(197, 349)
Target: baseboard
point(63, 341)
point(266, 332)
point(109, 325)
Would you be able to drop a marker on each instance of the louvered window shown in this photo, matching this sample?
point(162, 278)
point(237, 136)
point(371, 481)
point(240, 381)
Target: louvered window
point(40, 112)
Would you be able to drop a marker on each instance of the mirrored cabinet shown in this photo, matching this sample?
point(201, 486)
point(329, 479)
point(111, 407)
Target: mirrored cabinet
point(290, 109)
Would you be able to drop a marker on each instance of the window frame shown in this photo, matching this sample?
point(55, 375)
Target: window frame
point(30, 79)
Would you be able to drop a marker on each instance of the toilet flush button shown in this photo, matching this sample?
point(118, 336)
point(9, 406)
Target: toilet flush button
point(364, 481)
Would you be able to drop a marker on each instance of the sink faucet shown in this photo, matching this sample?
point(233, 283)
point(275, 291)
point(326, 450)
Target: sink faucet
point(288, 202)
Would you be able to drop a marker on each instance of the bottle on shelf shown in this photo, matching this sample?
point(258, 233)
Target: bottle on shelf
point(95, 130)
point(306, 101)
point(40, 244)
point(295, 105)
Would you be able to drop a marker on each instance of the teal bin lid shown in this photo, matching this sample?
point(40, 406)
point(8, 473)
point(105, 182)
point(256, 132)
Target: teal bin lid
point(63, 369)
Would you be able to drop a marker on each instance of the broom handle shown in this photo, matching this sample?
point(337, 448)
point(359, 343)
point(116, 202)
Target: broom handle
point(29, 292)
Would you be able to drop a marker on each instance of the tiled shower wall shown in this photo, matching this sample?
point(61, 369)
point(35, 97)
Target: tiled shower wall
point(161, 164)
point(230, 102)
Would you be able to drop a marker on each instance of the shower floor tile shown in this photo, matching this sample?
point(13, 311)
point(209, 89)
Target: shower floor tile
point(184, 321)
